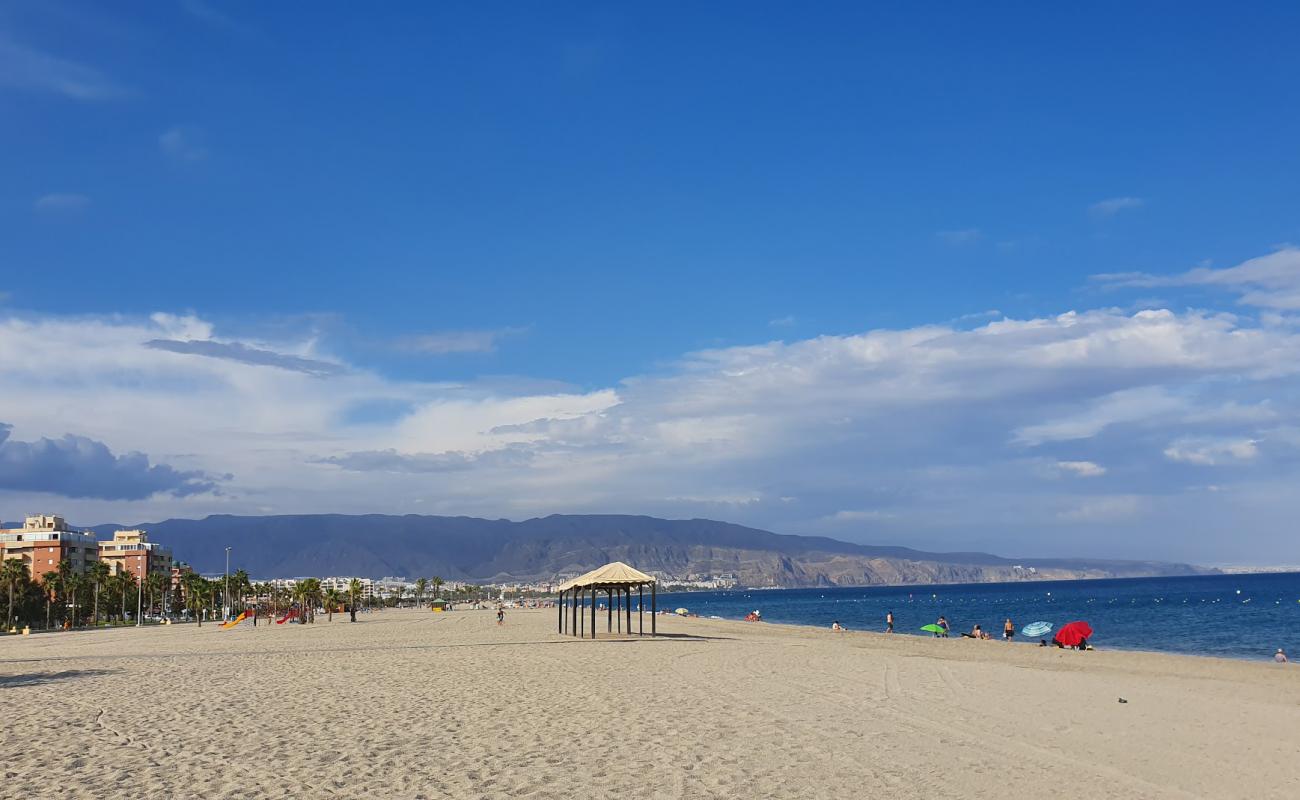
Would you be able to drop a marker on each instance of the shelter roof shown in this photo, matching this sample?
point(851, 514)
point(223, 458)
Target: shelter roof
point(615, 574)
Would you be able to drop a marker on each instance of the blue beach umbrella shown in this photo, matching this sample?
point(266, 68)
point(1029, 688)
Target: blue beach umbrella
point(1036, 629)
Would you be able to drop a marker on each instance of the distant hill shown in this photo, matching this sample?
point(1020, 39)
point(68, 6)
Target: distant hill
point(482, 550)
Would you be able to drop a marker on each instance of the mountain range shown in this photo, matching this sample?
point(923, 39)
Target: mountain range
point(558, 546)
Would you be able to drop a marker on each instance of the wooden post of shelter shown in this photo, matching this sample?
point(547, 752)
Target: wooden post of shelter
point(653, 609)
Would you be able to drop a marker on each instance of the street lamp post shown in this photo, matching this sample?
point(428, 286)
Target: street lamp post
point(225, 597)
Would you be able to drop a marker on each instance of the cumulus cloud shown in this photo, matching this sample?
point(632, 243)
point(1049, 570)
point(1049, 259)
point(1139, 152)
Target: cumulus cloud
point(1114, 205)
point(1271, 281)
point(75, 466)
point(1082, 469)
point(959, 430)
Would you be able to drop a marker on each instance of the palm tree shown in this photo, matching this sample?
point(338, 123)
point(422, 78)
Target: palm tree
point(99, 574)
point(420, 585)
point(194, 588)
point(239, 586)
point(50, 582)
point(156, 583)
point(437, 587)
point(72, 584)
point(332, 598)
point(125, 583)
point(397, 593)
point(13, 573)
point(354, 591)
point(312, 594)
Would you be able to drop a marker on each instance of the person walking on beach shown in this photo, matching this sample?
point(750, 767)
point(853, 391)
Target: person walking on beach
point(1279, 656)
point(889, 622)
point(1008, 630)
point(501, 615)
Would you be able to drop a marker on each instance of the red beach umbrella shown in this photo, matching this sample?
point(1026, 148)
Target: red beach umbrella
point(1071, 633)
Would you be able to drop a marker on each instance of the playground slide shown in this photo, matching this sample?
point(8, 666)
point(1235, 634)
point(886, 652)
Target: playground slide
point(237, 620)
point(293, 614)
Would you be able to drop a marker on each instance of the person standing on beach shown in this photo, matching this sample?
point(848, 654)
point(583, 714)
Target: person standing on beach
point(889, 622)
point(501, 615)
point(943, 623)
point(1008, 630)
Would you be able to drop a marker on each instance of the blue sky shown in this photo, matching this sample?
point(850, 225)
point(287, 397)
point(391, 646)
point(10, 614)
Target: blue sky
point(597, 215)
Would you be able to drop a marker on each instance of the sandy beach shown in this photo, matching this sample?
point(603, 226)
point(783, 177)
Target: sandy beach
point(413, 704)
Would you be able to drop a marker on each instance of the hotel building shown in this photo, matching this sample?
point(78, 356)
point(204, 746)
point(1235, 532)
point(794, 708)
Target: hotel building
point(43, 541)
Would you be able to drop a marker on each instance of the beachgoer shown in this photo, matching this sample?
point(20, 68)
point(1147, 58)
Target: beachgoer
point(836, 626)
point(1008, 630)
point(977, 632)
point(1279, 656)
point(943, 623)
point(501, 615)
point(889, 622)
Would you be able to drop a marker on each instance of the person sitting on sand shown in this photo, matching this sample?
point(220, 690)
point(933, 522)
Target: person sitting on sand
point(1279, 656)
point(977, 632)
point(836, 626)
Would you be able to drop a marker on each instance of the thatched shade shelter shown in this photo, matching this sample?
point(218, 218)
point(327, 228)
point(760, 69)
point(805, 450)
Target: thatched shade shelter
point(616, 581)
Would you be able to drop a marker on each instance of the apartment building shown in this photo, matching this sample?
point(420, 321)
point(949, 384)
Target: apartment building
point(44, 540)
point(133, 552)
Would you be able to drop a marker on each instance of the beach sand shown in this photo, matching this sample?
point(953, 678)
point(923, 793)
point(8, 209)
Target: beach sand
point(413, 704)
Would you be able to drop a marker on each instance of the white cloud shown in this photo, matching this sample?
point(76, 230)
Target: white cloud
point(861, 515)
point(29, 69)
point(183, 143)
point(61, 201)
point(1271, 281)
point(1114, 205)
point(787, 321)
point(457, 342)
point(1083, 469)
point(960, 237)
point(931, 423)
point(1212, 452)
point(1106, 508)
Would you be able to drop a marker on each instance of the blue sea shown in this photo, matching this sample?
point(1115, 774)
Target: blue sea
point(1234, 616)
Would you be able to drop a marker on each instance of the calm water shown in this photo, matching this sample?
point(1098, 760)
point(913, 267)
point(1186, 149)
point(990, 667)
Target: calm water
point(1238, 616)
